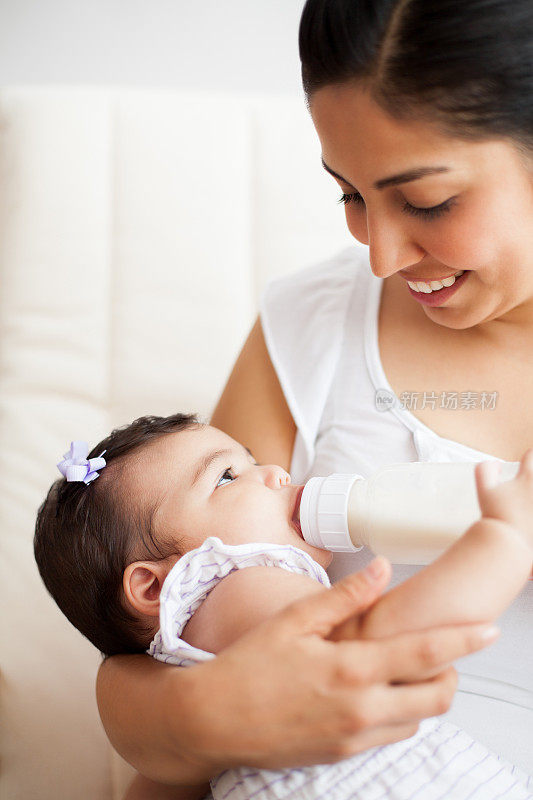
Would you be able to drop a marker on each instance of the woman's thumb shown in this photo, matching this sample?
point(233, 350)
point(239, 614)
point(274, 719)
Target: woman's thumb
point(352, 595)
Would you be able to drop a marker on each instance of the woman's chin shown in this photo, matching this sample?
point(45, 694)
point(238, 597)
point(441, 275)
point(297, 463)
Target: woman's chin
point(456, 317)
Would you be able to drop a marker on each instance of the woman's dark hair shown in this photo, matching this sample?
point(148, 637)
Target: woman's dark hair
point(85, 536)
point(465, 64)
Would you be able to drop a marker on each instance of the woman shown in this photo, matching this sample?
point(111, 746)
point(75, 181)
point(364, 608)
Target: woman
point(424, 109)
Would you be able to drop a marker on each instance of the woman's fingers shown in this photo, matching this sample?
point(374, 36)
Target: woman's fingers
point(393, 709)
point(415, 702)
point(410, 657)
point(421, 654)
point(351, 596)
point(393, 712)
point(374, 737)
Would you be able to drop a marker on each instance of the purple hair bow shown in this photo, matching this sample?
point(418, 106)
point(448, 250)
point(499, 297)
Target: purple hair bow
point(77, 467)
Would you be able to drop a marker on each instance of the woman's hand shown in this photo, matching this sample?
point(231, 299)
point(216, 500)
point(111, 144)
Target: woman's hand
point(285, 695)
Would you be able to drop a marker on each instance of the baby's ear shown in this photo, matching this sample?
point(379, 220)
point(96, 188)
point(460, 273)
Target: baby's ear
point(142, 582)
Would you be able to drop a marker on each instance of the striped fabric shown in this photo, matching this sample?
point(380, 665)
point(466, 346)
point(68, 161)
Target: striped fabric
point(441, 762)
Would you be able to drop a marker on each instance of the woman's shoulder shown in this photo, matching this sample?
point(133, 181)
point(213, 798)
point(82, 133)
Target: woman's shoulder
point(303, 313)
point(303, 318)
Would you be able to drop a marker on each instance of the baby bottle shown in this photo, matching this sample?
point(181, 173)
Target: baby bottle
point(409, 513)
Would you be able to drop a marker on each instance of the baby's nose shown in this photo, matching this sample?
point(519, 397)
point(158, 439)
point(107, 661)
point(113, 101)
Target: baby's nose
point(275, 476)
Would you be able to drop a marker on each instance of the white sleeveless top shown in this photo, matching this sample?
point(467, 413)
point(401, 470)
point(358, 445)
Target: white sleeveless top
point(321, 331)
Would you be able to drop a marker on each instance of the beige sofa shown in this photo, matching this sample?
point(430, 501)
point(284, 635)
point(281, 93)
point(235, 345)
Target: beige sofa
point(137, 230)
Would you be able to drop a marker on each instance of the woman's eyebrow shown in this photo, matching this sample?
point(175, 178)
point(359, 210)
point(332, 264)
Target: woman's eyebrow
point(404, 177)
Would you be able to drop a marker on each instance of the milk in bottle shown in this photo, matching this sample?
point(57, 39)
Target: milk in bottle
point(409, 513)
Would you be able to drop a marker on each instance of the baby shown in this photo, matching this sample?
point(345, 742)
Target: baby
point(178, 542)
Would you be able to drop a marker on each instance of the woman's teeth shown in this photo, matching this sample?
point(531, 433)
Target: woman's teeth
point(434, 286)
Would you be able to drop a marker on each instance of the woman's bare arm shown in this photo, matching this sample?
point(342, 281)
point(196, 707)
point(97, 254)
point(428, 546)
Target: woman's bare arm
point(142, 702)
point(252, 408)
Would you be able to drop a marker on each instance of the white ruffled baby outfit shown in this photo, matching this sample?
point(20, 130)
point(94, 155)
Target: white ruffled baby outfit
point(441, 762)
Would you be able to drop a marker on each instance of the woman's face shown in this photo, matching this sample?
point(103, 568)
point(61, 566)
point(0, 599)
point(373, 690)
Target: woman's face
point(468, 206)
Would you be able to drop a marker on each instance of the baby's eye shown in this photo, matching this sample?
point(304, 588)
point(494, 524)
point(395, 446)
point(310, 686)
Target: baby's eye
point(226, 477)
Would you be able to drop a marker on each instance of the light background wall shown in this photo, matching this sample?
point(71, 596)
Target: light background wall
point(247, 46)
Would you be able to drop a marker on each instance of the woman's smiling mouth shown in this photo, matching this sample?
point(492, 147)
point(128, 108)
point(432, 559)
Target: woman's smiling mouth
point(435, 293)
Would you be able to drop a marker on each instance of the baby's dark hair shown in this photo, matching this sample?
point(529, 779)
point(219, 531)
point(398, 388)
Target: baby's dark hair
point(86, 534)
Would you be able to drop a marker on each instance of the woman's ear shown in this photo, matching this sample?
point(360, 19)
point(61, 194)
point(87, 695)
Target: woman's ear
point(142, 582)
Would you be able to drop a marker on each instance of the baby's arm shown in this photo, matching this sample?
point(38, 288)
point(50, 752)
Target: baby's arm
point(480, 574)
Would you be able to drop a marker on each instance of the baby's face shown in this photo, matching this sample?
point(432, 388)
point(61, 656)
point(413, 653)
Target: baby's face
point(206, 484)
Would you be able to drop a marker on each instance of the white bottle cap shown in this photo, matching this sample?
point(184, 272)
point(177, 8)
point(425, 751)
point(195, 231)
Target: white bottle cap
point(324, 512)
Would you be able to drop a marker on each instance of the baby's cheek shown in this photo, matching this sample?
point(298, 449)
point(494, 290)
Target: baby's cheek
point(240, 528)
point(256, 525)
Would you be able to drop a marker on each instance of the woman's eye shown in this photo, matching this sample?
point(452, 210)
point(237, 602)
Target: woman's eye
point(226, 477)
point(429, 213)
point(354, 197)
point(425, 213)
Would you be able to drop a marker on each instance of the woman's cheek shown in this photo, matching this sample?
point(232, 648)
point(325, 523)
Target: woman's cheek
point(458, 244)
point(474, 236)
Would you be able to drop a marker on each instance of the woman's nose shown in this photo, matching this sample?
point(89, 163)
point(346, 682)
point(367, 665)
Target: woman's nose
point(274, 476)
point(391, 247)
